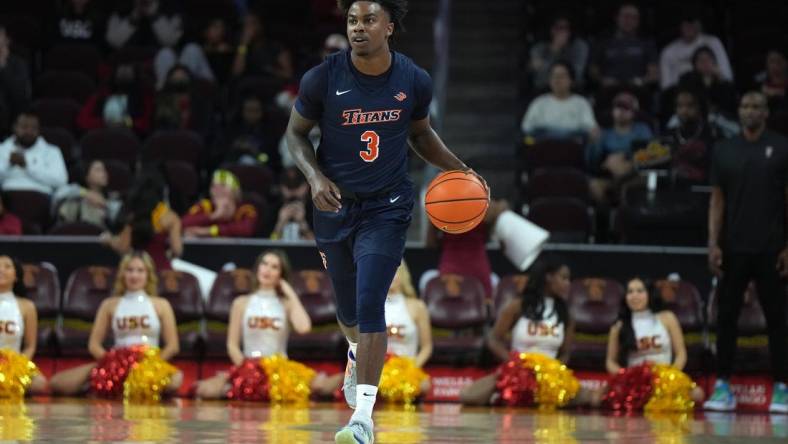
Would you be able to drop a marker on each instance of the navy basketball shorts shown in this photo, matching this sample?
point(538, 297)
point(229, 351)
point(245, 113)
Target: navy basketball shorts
point(361, 247)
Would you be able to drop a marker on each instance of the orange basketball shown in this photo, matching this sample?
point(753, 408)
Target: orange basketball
point(456, 202)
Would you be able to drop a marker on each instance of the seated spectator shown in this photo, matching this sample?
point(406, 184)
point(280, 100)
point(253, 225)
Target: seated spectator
point(706, 76)
point(144, 24)
point(247, 140)
point(223, 214)
point(774, 79)
point(148, 223)
point(625, 58)
point(88, 201)
point(677, 57)
point(562, 45)
point(190, 55)
point(258, 56)
point(79, 21)
point(217, 49)
point(691, 140)
point(560, 114)
point(28, 162)
point(292, 222)
point(14, 83)
point(10, 225)
point(611, 155)
point(179, 107)
point(124, 103)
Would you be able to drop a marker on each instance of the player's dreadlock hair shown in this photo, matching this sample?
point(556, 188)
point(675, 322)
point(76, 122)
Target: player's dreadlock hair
point(396, 9)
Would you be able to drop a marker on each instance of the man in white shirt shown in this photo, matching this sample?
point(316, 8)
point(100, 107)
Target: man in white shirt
point(676, 58)
point(28, 162)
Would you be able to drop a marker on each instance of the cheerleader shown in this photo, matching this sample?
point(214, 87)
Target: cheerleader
point(18, 334)
point(535, 326)
point(409, 342)
point(260, 324)
point(137, 318)
point(644, 341)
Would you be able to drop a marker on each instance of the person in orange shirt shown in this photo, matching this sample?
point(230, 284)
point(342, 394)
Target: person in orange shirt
point(223, 214)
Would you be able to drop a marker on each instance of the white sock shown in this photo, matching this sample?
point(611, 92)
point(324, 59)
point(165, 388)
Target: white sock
point(365, 402)
point(353, 346)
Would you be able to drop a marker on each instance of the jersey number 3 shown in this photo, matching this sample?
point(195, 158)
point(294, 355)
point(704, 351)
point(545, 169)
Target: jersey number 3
point(371, 153)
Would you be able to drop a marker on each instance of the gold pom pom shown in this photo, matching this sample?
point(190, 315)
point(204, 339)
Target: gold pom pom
point(15, 424)
point(401, 380)
point(148, 378)
point(16, 374)
point(672, 390)
point(289, 381)
point(556, 383)
point(148, 422)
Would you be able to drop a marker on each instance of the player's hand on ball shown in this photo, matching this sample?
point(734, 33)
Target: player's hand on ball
point(481, 179)
point(325, 194)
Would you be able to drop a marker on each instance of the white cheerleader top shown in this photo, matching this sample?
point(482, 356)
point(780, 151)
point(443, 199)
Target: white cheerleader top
point(265, 326)
point(135, 321)
point(403, 334)
point(12, 324)
point(545, 336)
point(652, 339)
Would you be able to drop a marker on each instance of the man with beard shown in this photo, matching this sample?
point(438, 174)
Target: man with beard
point(692, 139)
point(747, 241)
point(28, 162)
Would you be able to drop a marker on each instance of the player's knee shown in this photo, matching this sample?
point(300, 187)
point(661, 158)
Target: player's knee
point(371, 318)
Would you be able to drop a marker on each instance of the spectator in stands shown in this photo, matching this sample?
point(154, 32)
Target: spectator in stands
point(20, 323)
point(10, 225)
point(774, 79)
point(292, 222)
point(89, 200)
point(691, 139)
point(625, 58)
point(179, 107)
point(747, 241)
point(249, 339)
point(677, 57)
point(133, 295)
point(147, 23)
point(224, 214)
point(190, 55)
point(562, 45)
point(124, 103)
point(611, 154)
point(247, 139)
point(707, 77)
point(258, 56)
point(148, 222)
point(541, 307)
point(217, 49)
point(560, 114)
point(14, 83)
point(79, 21)
point(28, 162)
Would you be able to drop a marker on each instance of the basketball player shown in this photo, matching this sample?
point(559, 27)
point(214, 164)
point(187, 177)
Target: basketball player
point(369, 102)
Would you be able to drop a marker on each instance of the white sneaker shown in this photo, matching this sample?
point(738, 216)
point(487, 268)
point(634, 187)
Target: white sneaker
point(349, 383)
point(356, 432)
point(722, 399)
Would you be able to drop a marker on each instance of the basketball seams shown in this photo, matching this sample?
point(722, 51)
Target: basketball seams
point(446, 202)
point(475, 181)
point(459, 221)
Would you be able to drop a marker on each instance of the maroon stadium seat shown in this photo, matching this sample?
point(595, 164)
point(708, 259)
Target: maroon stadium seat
point(43, 288)
point(261, 205)
point(594, 304)
point(111, 143)
point(85, 289)
point(32, 208)
point(457, 310)
point(683, 299)
point(57, 112)
point(119, 175)
point(181, 145)
point(752, 353)
point(567, 219)
point(254, 178)
point(76, 229)
point(61, 138)
point(557, 182)
point(183, 292)
point(183, 179)
point(554, 153)
point(228, 286)
point(64, 85)
point(84, 58)
point(508, 288)
point(325, 340)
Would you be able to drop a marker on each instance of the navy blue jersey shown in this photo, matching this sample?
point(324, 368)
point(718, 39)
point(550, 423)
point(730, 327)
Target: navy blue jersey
point(364, 120)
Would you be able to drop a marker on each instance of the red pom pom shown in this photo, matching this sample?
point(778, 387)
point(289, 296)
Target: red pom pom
point(630, 389)
point(106, 379)
point(516, 383)
point(248, 382)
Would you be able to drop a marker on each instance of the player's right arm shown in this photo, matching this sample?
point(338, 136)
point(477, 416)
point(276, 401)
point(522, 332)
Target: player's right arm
point(306, 112)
